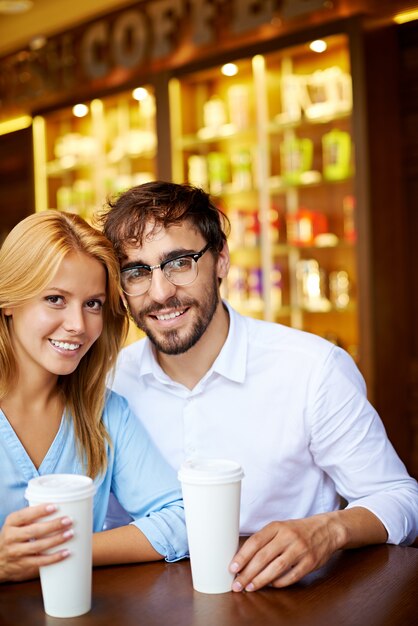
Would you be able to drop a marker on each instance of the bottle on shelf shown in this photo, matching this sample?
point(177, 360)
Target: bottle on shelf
point(311, 288)
point(339, 289)
point(336, 148)
point(238, 97)
point(296, 159)
point(218, 172)
point(349, 227)
point(304, 226)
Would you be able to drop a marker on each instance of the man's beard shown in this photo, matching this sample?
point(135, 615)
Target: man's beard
point(170, 342)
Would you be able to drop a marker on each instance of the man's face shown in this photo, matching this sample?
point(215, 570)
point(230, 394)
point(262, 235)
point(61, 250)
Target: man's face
point(175, 317)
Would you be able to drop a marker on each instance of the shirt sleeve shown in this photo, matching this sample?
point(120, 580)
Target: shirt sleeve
point(349, 442)
point(144, 484)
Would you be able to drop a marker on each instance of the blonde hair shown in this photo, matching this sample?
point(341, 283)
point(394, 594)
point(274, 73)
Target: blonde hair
point(29, 258)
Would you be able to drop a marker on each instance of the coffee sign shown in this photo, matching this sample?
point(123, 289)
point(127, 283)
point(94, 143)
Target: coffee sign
point(131, 43)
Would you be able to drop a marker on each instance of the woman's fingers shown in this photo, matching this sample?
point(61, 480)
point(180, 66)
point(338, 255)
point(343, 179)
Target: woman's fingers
point(40, 530)
point(20, 537)
point(29, 514)
point(28, 567)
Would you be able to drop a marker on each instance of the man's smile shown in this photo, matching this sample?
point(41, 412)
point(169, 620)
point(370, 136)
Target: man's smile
point(169, 316)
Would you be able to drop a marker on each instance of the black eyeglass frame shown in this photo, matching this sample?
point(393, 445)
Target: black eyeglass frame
point(189, 255)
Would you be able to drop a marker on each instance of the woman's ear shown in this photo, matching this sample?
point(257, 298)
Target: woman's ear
point(7, 311)
point(223, 262)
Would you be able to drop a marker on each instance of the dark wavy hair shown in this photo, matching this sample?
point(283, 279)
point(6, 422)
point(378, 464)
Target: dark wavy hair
point(163, 204)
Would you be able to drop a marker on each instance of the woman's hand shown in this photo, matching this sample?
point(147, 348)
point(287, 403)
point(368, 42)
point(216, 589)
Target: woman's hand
point(24, 539)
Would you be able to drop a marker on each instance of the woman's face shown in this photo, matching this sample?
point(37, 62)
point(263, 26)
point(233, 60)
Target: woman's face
point(53, 331)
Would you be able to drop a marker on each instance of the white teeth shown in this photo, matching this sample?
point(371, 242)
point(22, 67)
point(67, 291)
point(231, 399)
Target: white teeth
point(64, 345)
point(169, 316)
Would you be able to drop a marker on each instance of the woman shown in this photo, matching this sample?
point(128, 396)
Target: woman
point(62, 323)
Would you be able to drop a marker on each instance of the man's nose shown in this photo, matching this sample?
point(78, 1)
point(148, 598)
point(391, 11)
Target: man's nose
point(160, 289)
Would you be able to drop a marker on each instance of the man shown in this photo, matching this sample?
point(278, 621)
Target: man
point(289, 406)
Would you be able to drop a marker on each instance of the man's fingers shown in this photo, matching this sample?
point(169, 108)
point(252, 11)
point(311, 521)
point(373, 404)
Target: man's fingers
point(265, 566)
point(293, 575)
point(254, 545)
point(280, 572)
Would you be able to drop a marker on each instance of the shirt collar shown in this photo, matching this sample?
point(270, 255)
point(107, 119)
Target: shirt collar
point(230, 363)
point(232, 359)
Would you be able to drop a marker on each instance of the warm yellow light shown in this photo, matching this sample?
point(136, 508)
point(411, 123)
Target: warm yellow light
point(96, 107)
point(406, 16)
point(80, 110)
point(140, 93)
point(18, 123)
point(229, 69)
point(319, 45)
point(39, 164)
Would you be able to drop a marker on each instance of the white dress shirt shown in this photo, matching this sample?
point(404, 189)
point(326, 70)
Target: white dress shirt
point(291, 408)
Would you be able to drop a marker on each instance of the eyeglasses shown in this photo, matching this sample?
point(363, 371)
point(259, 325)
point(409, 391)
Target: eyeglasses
point(179, 271)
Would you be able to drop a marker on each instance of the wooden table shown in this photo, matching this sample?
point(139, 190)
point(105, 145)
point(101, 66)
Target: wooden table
point(374, 586)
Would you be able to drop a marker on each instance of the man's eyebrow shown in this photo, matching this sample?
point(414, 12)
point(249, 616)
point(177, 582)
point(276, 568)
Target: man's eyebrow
point(165, 256)
point(127, 266)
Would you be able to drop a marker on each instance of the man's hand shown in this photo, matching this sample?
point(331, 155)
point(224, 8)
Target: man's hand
point(282, 553)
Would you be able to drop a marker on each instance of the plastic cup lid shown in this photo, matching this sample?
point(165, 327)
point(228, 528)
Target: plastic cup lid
point(207, 471)
point(59, 488)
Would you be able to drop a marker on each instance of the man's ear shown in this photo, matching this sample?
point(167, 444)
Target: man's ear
point(223, 262)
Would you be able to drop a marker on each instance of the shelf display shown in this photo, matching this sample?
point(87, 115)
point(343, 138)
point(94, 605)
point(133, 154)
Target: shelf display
point(270, 138)
point(98, 148)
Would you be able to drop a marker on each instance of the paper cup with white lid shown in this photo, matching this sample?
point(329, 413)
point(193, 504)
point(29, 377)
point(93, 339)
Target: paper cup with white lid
point(212, 495)
point(66, 585)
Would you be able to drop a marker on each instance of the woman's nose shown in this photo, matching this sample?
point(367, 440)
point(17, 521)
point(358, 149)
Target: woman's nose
point(74, 320)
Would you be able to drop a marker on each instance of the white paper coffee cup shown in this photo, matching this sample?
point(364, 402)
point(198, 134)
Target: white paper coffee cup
point(66, 586)
point(211, 493)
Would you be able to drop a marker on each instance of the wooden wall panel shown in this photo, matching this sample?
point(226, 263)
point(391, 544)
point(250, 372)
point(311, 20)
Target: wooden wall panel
point(16, 179)
point(388, 290)
point(408, 46)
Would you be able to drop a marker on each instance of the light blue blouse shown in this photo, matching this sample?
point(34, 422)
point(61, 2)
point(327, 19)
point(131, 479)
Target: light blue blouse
point(141, 480)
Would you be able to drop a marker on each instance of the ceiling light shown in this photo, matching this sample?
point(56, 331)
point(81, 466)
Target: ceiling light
point(229, 69)
point(80, 110)
point(140, 93)
point(319, 45)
